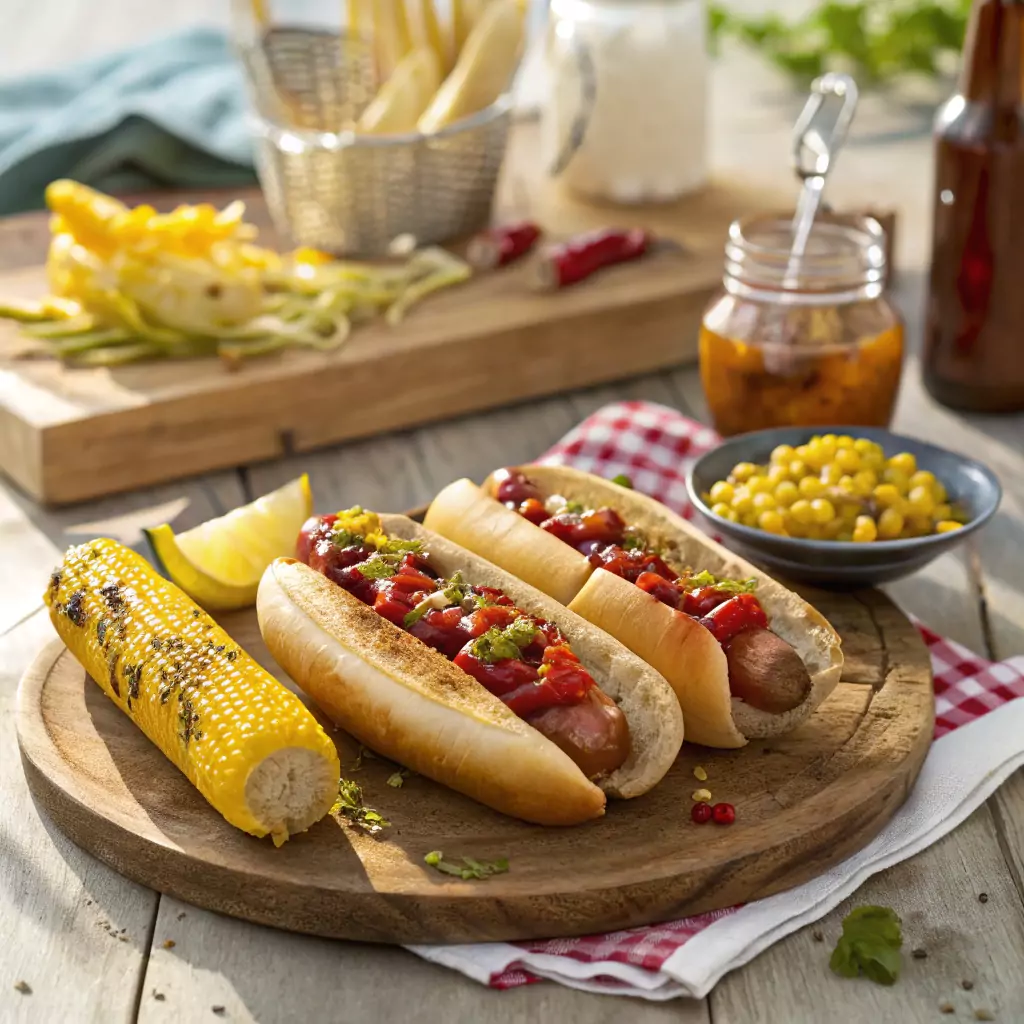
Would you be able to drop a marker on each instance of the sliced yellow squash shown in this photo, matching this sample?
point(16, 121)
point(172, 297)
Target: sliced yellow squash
point(219, 563)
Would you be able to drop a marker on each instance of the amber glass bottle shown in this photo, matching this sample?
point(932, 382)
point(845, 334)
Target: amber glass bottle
point(974, 330)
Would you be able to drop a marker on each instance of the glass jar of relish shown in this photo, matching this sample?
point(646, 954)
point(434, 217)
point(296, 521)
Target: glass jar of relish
point(801, 341)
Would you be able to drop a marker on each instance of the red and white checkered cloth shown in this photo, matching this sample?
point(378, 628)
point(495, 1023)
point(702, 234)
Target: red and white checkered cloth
point(655, 447)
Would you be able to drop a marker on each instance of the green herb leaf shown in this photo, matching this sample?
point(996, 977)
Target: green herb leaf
point(379, 567)
point(457, 589)
point(350, 805)
point(573, 508)
point(469, 869)
point(397, 780)
point(633, 540)
point(397, 546)
point(870, 944)
point(623, 481)
point(494, 646)
point(344, 539)
point(707, 579)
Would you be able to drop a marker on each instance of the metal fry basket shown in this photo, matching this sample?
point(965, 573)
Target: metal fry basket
point(350, 194)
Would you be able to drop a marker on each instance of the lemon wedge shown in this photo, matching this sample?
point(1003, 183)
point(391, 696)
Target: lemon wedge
point(220, 562)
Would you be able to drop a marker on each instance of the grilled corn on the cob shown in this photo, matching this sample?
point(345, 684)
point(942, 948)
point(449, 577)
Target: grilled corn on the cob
point(248, 744)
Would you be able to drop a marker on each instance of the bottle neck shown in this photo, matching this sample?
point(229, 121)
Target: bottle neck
point(993, 63)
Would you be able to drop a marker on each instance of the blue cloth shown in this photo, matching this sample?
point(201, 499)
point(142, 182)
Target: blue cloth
point(168, 113)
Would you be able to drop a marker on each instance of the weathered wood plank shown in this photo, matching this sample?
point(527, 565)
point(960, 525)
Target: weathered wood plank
point(936, 895)
point(74, 931)
point(257, 974)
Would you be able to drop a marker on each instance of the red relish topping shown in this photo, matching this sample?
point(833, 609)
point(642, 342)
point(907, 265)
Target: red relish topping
point(523, 660)
point(723, 606)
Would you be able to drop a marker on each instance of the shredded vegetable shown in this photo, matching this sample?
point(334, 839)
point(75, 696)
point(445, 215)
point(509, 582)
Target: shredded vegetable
point(131, 284)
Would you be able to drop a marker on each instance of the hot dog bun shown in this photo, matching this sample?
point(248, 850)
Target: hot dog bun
point(407, 701)
point(682, 650)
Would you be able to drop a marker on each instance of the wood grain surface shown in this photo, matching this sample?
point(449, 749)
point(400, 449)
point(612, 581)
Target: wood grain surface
point(805, 801)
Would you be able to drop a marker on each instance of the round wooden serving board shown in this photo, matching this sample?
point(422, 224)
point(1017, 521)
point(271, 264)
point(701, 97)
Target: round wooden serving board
point(803, 803)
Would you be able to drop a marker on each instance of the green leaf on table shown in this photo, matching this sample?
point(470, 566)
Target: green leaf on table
point(870, 945)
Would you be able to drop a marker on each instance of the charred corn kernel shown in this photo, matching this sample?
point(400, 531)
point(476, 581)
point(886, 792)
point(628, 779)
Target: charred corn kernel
point(798, 469)
point(772, 522)
point(847, 460)
point(742, 501)
point(890, 524)
point(700, 774)
point(801, 512)
point(831, 474)
point(922, 478)
point(823, 510)
point(864, 482)
point(248, 744)
point(786, 493)
point(921, 501)
point(865, 530)
point(943, 511)
point(724, 511)
point(759, 484)
point(702, 796)
point(742, 472)
point(887, 495)
point(778, 474)
point(811, 487)
point(782, 455)
point(722, 491)
point(905, 463)
point(764, 502)
point(947, 526)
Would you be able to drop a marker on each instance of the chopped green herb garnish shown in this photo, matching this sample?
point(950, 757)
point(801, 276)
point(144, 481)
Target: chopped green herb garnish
point(396, 780)
point(575, 508)
point(469, 868)
point(350, 805)
point(457, 589)
point(379, 566)
point(494, 646)
point(502, 644)
point(397, 546)
point(345, 539)
point(623, 481)
point(870, 944)
point(707, 579)
point(633, 541)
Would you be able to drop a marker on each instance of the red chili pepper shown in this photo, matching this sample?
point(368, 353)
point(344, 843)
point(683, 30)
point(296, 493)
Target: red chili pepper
point(500, 246)
point(741, 612)
point(578, 258)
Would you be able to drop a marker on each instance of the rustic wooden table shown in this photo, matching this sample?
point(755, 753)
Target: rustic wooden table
point(93, 946)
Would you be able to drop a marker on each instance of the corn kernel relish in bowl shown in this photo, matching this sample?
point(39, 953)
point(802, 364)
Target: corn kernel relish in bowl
point(841, 506)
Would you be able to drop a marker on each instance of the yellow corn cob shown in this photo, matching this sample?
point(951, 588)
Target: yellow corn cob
point(248, 744)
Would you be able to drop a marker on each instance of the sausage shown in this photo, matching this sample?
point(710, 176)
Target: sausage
point(765, 672)
point(594, 733)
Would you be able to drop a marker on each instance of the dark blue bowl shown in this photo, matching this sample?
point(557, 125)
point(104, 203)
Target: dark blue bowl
point(971, 485)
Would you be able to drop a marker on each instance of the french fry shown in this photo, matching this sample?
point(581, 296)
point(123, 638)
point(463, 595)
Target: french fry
point(434, 36)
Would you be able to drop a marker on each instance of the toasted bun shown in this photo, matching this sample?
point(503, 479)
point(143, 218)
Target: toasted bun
point(409, 702)
point(475, 521)
point(681, 649)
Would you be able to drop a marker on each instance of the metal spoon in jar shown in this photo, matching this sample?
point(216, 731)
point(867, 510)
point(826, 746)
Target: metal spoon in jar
point(817, 138)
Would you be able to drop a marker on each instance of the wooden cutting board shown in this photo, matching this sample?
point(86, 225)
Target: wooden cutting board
point(804, 802)
point(67, 435)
